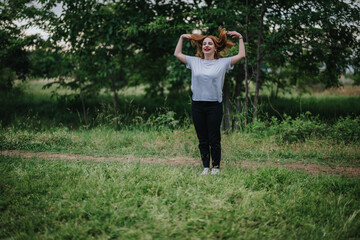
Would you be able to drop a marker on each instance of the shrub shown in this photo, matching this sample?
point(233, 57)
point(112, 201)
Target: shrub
point(346, 129)
point(258, 127)
point(165, 120)
point(7, 78)
point(299, 129)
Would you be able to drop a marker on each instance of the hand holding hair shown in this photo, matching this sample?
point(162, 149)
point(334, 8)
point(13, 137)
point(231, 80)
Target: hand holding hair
point(234, 34)
point(187, 36)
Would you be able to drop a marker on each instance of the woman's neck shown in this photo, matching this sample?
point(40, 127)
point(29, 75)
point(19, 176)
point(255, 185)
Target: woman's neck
point(209, 57)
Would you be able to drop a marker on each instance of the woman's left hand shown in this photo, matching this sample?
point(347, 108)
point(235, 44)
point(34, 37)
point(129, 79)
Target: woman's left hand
point(234, 34)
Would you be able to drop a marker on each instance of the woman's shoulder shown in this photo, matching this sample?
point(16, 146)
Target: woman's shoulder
point(225, 58)
point(192, 57)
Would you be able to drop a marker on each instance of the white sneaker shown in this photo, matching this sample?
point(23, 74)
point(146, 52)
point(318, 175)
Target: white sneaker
point(215, 171)
point(205, 171)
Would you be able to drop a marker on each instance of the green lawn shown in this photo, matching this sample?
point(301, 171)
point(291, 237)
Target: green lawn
point(56, 199)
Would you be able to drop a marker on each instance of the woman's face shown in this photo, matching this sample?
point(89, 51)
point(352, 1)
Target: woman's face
point(208, 46)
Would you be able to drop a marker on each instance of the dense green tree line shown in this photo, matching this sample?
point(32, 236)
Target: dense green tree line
point(112, 44)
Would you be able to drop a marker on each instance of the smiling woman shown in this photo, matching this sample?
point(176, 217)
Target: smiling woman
point(211, 46)
point(208, 70)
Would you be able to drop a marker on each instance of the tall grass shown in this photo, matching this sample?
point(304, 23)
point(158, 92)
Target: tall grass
point(57, 199)
point(135, 108)
point(327, 107)
point(259, 144)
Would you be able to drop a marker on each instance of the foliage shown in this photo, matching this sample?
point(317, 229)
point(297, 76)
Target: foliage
point(36, 109)
point(317, 35)
point(306, 127)
point(7, 78)
point(346, 129)
point(356, 78)
point(106, 45)
point(49, 62)
point(14, 62)
point(299, 129)
point(167, 120)
point(326, 106)
point(147, 32)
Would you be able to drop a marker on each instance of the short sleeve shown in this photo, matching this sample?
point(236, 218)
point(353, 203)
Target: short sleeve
point(189, 61)
point(228, 64)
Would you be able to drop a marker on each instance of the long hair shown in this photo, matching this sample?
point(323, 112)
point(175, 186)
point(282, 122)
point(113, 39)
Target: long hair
point(221, 43)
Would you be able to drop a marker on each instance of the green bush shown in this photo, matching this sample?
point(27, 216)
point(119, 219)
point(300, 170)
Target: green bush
point(346, 129)
point(307, 126)
point(7, 78)
point(299, 129)
point(165, 120)
point(259, 128)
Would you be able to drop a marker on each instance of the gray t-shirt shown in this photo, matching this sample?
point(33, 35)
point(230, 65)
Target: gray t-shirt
point(207, 77)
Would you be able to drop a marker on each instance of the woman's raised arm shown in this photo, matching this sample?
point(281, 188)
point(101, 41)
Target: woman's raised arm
point(241, 54)
point(178, 50)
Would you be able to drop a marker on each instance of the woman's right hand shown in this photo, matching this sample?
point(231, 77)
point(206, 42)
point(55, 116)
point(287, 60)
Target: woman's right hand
point(187, 36)
point(234, 34)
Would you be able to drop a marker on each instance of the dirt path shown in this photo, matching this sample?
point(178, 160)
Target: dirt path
point(309, 168)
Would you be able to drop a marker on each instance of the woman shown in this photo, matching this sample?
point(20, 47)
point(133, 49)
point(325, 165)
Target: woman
point(207, 79)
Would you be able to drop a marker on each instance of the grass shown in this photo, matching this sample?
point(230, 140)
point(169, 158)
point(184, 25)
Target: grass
point(54, 199)
point(327, 107)
point(30, 101)
point(34, 121)
point(134, 106)
point(182, 142)
point(82, 199)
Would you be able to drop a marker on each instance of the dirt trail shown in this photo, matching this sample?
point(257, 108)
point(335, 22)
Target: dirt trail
point(309, 168)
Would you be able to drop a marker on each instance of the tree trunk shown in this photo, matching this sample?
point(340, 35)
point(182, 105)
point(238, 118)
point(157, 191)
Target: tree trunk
point(116, 101)
point(246, 65)
point(82, 101)
point(258, 60)
point(227, 106)
point(83, 107)
point(236, 120)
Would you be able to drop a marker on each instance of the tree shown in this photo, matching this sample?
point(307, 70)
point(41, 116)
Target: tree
point(113, 44)
point(259, 57)
point(312, 40)
point(14, 62)
point(246, 66)
point(95, 39)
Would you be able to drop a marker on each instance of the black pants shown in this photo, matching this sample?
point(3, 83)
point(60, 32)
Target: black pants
point(207, 118)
